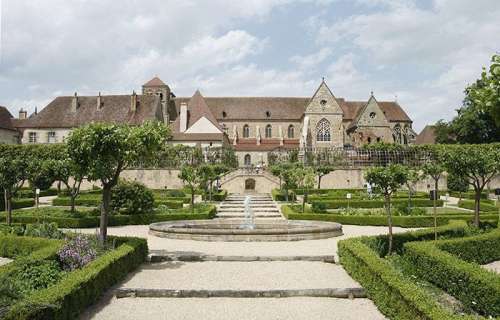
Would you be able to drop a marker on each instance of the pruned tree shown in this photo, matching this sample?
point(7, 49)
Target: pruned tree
point(435, 171)
point(304, 178)
point(105, 150)
point(414, 176)
point(321, 171)
point(71, 175)
point(191, 177)
point(12, 178)
point(388, 179)
point(478, 163)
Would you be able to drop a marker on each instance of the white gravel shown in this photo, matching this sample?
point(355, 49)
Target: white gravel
point(494, 266)
point(240, 276)
point(241, 309)
point(306, 247)
point(4, 261)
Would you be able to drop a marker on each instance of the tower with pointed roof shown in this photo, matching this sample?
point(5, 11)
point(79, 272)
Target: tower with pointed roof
point(156, 87)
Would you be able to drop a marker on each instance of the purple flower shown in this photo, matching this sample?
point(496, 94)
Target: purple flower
point(76, 253)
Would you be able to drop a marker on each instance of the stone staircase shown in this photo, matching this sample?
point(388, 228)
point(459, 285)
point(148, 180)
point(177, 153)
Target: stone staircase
point(263, 207)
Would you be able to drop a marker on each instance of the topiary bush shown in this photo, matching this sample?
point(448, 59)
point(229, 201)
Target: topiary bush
point(131, 198)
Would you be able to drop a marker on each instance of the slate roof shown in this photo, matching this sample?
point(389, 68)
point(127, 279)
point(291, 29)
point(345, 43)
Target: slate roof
point(6, 119)
point(114, 109)
point(197, 109)
point(155, 82)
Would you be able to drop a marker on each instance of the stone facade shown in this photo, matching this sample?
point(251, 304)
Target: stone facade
point(8, 136)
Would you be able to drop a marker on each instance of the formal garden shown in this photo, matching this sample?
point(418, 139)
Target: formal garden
point(53, 272)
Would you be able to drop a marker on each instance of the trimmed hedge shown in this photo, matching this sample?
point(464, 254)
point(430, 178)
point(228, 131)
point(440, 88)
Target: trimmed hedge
point(477, 288)
point(95, 201)
point(171, 204)
point(483, 206)
point(115, 220)
point(83, 287)
point(280, 196)
point(480, 249)
point(218, 196)
point(381, 220)
point(18, 203)
point(394, 295)
point(467, 195)
point(337, 204)
point(28, 193)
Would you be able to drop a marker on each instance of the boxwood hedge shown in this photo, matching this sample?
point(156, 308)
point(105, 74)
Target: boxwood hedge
point(81, 288)
point(17, 203)
point(477, 288)
point(337, 204)
point(483, 205)
point(393, 294)
point(95, 201)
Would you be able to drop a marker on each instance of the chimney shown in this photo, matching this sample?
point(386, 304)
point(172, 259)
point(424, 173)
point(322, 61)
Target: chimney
point(183, 117)
point(99, 101)
point(133, 102)
point(23, 114)
point(74, 103)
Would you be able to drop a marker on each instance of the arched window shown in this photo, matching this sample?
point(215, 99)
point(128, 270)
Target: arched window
point(323, 130)
point(269, 131)
point(369, 140)
point(246, 131)
point(291, 131)
point(248, 160)
point(397, 133)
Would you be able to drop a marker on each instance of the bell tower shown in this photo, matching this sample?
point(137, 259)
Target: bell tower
point(156, 87)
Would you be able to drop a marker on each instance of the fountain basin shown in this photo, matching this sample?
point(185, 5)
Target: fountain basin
point(220, 230)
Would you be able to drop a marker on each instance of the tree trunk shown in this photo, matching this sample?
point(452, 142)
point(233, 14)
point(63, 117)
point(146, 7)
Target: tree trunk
point(319, 181)
point(304, 201)
point(286, 194)
point(435, 207)
point(192, 199)
point(389, 221)
point(210, 192)
point(106, 199)
point(477, 207)
point(72, 202)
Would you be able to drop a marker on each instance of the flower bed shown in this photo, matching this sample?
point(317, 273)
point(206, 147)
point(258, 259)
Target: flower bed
point(74, 290)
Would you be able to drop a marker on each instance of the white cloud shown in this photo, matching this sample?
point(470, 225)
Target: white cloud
point(311, 61)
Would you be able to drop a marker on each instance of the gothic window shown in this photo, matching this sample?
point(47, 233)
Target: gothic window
point(369, 140)
point(269, 131)
point(248, 160)
point(323, 131)
point(397, 133)
point(291, 131)
point(246, 131)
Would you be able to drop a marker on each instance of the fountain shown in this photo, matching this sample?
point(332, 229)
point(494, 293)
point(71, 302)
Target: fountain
point(249, 223)
point(247, 218)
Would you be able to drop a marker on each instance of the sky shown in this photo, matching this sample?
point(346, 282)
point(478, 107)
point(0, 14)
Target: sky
point(422, 53)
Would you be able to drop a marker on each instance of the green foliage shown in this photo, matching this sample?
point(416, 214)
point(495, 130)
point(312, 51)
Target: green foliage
point(174, 193)
point(18, 203)
point(218, 196)
point(376, 203)
point(279, 195)
point(476, 288)
point(131, 198)
point(40, 173)
point(484, 207)
point(388, 179)
point(457, 183)
point(36, 275)
point(81, 288)
point(43, 230)
point(394, 295)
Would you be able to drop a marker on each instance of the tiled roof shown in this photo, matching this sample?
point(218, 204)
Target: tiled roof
point(114, 109)
point(426, 136)
point(5, 119)
point(155, 82)
point(284, 108)
point(197, 108)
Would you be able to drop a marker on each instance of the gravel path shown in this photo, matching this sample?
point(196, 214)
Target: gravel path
point(308, 247)
point(241, 309)
point(240, 276)
point(4, 261)
point(494, 266)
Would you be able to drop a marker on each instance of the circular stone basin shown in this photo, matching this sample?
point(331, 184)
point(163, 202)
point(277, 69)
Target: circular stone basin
point(217, 230)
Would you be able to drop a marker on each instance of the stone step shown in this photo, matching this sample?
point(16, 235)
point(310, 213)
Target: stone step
point(260, 276)
point(242, 217)
point(345, 293)
point(156, 256)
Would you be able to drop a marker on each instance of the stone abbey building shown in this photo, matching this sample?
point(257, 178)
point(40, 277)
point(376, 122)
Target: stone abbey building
point(253, 126)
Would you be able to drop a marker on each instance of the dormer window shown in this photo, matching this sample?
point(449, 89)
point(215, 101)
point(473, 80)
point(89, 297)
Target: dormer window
point(268, 114)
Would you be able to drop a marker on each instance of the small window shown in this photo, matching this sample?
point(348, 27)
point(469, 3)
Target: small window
point(269, 131)
point(378, 139)
point(248, 160)
point(268, 114)
point(373, 115)
point(246, 131)
point(32, 137)
point(323, 102)
point(291, 131)
point(224, 114)
point(51, 137)
point(369, 140)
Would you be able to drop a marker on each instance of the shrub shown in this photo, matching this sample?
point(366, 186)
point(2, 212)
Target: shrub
point(174, 193)
point(319, 207)
point(171, 204)
point(484, 206)
point(131, 198)
point(279, 195)
point(77, 253)
point(17, 203)
point(477, 288)
point(36, 275)
point(216, 196)
point(43, 230)
point(337, 204)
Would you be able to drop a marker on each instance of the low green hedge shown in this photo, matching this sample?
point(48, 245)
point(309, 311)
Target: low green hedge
point(81, 288)
point(186, 199)
point(95, 201)
point(219, 196)
point(480, 249)
point(337, 204)
point(394, 295)
point(477, 288)
point(280, 195)
point(483, 205)
point(398, 221)
point(28, 193)
point(467, 195)
point(17, 203)
point(37, 248)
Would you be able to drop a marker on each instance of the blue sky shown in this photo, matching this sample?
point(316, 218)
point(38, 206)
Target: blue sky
point(422, 52)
